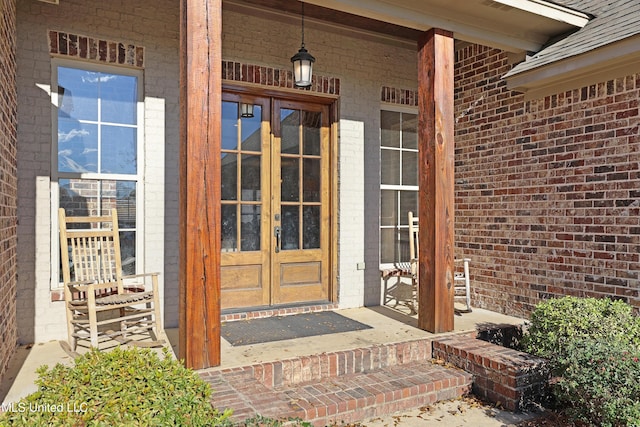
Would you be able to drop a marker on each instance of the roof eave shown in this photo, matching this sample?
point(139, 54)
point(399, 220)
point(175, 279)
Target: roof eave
point(611, 61)
point(550, 10)
point(550, 19)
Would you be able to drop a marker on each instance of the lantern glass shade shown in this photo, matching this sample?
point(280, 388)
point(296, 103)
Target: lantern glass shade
point(302, 67)
point(246, 110)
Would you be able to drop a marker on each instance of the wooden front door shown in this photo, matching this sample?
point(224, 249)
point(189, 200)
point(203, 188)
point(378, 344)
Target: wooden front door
point(275, 202)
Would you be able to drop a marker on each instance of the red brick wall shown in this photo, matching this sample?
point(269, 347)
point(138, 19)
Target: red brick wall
point(547, 191)
point(8, 183)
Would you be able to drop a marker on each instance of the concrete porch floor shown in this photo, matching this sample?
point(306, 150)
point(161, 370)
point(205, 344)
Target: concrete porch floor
point(388, 326)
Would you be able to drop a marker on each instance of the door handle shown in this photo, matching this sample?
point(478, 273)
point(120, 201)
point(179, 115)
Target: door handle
point(277, 232)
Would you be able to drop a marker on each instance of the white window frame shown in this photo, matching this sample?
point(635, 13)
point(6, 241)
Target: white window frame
point(395, 187)
point(56, 175)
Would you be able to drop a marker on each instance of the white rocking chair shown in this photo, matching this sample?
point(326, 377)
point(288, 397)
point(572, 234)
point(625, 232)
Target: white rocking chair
point(100, 306)
point(462, 282)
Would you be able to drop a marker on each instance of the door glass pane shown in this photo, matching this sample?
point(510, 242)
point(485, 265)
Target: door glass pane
point(250, 228)
point(290, 228)
point(409, 168)
point(229, 178)
point(290, 176)
point(118, 153)
point(250, 130)
point(390, 167)
point(290, 127)
point(389, 129)
point(229, 125)
point(311, 180)
point(312, 122)
point(311, 224)
point(250, 179)
point(229, 228)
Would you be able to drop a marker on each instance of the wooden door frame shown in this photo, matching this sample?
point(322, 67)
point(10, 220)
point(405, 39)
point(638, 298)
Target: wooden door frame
point(332, 101)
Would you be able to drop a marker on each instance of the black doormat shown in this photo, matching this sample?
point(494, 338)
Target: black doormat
point(255, 331)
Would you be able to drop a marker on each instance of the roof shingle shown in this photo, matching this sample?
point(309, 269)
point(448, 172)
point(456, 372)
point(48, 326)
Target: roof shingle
point(614, 20)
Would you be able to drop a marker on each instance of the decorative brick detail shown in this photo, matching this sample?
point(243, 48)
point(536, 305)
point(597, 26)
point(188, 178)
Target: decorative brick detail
point(275, 311)
point(8, 185)
point(397, 96)
point(85, 47)
point(547, 200)
point(275, 77)
point(513, 378)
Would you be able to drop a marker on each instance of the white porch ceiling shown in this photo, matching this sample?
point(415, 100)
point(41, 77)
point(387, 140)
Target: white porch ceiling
point(512, 25)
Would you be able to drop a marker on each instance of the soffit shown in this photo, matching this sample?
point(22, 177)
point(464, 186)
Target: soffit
point(512, 25)
point(607, 47)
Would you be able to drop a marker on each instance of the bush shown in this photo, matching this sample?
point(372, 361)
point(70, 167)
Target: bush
point(120, 387)
point(593, 347)
point(601, 384)
point(556, 321)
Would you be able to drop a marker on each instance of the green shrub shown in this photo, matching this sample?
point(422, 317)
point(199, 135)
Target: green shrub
point(593, 347)
point(601, 384)
point(120, 387)
point(556, 321)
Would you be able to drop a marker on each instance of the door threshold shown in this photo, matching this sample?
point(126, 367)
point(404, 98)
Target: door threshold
point(230, 315)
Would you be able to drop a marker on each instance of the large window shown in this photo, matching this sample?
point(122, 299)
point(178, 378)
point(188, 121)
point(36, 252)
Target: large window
point(398, 182)
point(97, 146)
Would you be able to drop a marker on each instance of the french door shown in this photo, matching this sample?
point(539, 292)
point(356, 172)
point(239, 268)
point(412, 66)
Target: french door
point(275, 202)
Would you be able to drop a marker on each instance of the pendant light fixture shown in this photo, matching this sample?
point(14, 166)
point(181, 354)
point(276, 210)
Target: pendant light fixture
point(302, 62)
point(245, 110)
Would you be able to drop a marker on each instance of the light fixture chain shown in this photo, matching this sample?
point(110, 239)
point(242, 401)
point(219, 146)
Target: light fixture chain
point(302, 24)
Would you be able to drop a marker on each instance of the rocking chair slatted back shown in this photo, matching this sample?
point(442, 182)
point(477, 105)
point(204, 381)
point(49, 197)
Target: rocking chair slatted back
point(95, 252)
point(462, 281)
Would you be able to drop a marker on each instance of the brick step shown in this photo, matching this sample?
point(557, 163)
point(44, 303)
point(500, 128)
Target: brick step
point(327, 365)
point(344, 398)
point(515, 379)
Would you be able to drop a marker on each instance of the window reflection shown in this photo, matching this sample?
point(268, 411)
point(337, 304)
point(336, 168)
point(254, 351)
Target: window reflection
point(97, 134)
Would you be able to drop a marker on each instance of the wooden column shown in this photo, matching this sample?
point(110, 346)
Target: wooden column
point(200, 142)
point(436, 181)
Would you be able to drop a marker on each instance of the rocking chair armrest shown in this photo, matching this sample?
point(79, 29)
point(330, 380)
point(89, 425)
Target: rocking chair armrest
point(462, 260)
point(133, 276)
point(88, 285)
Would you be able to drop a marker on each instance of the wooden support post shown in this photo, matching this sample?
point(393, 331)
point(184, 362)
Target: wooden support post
point(436, 181)
point(200, 142)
